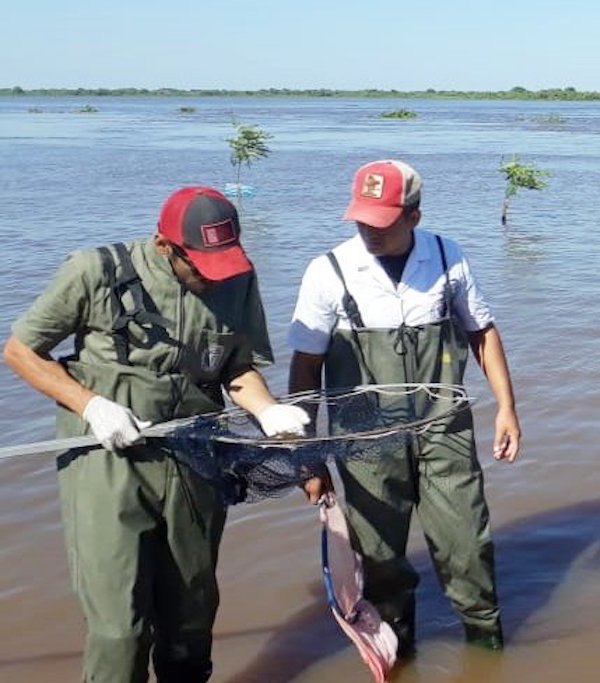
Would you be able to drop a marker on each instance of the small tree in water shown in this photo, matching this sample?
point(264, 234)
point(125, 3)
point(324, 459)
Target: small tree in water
point(247, 146)
point(520, 176)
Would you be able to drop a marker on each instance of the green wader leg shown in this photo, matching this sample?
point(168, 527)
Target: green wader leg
point(379, 499)
point(139, 541)
point(455, 520)
point(450, 500)
point(186, 592)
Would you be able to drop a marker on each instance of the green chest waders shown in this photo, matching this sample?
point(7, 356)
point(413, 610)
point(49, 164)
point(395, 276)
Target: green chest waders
point(142, 531)
point(436, 473)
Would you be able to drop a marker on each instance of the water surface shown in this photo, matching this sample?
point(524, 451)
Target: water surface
point(70, 180)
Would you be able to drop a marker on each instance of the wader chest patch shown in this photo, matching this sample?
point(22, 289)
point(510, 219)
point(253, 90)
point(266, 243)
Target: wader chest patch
point(212, 357)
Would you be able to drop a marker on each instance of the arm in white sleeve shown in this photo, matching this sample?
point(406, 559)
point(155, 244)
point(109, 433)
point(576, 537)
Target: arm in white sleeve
point(315, 314)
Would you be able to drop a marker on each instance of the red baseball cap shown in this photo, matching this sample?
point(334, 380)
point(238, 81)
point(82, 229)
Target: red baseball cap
point(205, 224)
point(381, 190)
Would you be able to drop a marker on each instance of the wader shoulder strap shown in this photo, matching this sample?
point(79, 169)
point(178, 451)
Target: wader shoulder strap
point(351, 307)
point(348, 302)
point(447, 288)
point(128, 280)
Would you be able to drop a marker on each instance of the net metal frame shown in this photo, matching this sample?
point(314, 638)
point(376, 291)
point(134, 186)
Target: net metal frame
point(460, 400)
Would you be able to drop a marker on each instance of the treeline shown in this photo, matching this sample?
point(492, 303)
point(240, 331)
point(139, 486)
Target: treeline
point(516, 93)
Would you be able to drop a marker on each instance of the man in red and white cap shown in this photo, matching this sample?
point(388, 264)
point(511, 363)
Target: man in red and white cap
point(397, 304)
point(160, 327)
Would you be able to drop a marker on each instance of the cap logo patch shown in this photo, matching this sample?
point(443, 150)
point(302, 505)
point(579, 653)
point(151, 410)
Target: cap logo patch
point(372, 186)
point(218, 234)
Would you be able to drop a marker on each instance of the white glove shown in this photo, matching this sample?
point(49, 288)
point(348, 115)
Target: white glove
point(280, 420)
point(113, 425)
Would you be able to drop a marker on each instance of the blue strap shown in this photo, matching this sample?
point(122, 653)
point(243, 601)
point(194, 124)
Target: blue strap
point(328, 581)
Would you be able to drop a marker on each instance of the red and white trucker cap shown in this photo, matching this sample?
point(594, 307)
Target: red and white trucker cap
point(381, 191)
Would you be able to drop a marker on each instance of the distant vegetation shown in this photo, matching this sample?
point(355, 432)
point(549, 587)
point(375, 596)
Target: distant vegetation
point(399, 114)
point(516, 93)
point(87, 109)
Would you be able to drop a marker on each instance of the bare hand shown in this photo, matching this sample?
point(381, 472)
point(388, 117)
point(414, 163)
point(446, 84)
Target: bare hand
point(508, 435)
point(316, 487)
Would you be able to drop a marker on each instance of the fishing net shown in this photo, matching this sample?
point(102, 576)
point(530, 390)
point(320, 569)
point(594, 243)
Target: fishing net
point(361, 424)
point(366, 424)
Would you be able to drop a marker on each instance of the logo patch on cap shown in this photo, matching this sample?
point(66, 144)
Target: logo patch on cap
point(372, 186)
point(218, 234)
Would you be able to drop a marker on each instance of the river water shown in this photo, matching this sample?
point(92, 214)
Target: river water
point(74, 180)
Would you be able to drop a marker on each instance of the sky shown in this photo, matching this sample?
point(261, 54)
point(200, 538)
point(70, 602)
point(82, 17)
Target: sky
point(300, 44)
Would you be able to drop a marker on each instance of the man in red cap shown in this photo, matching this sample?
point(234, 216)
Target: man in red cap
point(160, 327)
point(396, 304)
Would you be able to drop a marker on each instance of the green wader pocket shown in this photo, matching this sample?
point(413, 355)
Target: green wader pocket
point(204, 363)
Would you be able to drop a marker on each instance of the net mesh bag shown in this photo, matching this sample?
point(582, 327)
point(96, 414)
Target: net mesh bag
point(361, 424)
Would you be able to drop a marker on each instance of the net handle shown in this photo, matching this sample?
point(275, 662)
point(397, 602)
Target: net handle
point(90, 441)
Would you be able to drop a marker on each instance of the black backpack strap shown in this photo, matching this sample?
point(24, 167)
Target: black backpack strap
point(348, 301)
point(447, 288)
point(119, 338)
point(129, 280)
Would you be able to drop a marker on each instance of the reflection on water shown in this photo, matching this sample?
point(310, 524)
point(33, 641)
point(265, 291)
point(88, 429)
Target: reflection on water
point(74, 181)
point(275, 626)
point(548, 581)
point(523, 246)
